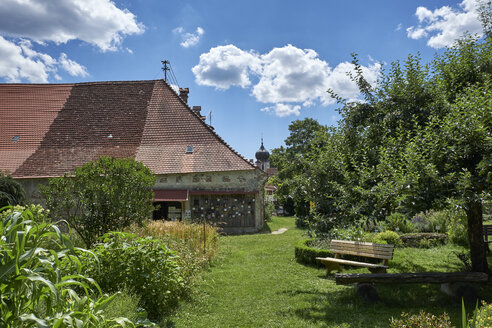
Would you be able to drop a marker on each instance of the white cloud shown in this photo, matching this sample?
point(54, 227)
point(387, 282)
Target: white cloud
point(282, 110)
point(19, 61)
point(225, 66)
point(22, 22)
point(98, 22)
point(287, 77)
point(398, 27)
point(445, 25)
point(73, 68)
point(189, 39)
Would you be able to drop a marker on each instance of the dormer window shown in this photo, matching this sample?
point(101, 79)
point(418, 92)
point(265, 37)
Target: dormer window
point(189, 149)
point(15, 138)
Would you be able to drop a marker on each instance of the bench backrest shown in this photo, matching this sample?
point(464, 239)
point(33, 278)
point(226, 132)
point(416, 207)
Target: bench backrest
point(358, 248)
point(487, 231)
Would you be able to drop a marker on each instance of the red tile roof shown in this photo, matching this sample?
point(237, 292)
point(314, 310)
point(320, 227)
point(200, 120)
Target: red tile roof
point(60, 127)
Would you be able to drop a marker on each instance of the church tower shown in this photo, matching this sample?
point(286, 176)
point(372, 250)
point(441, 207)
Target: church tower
point(262, 156)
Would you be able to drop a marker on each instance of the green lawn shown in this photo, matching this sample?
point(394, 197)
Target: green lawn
point(258, 283)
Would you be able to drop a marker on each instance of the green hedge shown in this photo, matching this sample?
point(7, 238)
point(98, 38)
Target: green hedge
point(307, 255)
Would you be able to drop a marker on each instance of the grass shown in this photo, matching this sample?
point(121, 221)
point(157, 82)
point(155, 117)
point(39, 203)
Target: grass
point(257, 283)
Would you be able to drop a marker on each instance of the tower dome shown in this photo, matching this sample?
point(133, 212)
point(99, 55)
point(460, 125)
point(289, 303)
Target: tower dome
point(262, 154)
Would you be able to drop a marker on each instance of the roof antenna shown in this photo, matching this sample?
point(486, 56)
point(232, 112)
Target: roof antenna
point(165, 68)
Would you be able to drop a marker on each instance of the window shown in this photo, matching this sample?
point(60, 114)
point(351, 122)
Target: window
point(189, 149)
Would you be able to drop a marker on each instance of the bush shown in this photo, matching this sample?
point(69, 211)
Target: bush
point(186, 239)
point(398, 222)
point(424, 239)
point(11, 191)
point(100, 196)
point(306, 254)
point(388, 237)
point(421, 222)
point(269, 209)
point(421, 320)
point(34, 292)
point(483, 316)
point(143, 266)
point(458, 228)
point(37, 212)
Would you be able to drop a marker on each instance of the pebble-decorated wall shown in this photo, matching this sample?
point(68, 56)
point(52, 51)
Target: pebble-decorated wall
point(224, 210)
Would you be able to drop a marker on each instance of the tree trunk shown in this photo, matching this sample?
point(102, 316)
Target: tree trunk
point(475, 236)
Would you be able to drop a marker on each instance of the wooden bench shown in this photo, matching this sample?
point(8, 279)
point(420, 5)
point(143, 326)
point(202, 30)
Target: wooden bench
point(487, 231)
point(357, 248)
point(456, 284)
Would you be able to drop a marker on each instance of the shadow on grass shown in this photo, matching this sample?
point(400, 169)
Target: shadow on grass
point(266, 228)
point(340, 307)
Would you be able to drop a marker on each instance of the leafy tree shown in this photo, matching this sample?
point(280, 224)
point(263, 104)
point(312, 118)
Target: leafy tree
point(421, 137)
point(294, 164)
point(101, 196)
point(11, 191)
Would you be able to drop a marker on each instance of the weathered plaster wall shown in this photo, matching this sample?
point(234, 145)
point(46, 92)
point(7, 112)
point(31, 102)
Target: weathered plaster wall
point(244, 181)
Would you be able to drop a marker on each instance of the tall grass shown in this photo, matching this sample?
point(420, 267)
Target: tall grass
point(196, 244)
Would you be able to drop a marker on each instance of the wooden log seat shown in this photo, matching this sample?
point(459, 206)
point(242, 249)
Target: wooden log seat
point(357, 248)
point(455, 284)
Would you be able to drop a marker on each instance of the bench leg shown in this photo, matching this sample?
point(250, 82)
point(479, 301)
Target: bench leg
point(377, 270)
point(332, 266)
point(367, 291)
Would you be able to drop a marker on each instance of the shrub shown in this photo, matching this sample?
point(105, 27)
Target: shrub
point(269, 209)
point(11, 191)
point(143, 266)
point(34, 292)
point(483, 316)
point(421, 222)
point(37, 212)
point(306, 254)
point(388, 237)
point(458, 227)
point(424, 239)
point(421, 320)
point(186, 239)
point(398, 222)
point(105, 195)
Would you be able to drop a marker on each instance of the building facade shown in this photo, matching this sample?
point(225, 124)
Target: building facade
point(49, 129)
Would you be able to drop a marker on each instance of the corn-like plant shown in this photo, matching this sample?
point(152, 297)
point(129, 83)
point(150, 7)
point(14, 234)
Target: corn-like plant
point(33, 290)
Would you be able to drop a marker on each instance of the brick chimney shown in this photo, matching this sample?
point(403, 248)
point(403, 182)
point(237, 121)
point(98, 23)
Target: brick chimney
point(183, 93)
point(196, 110)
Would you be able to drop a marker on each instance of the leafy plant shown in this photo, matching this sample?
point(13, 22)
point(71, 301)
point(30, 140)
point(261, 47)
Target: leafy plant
point(33, 289)
point(482, 316)
point(388, 237)
point(11, 191)
point(269, 209)
point(143, 266)
point(421, 320)
point(398, 222)
point(101, 196)
point(38, 213)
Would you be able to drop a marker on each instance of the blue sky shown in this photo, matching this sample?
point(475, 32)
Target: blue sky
point(256, 65)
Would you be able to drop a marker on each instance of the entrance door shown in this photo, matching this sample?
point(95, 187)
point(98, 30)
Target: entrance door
point(171, 211)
